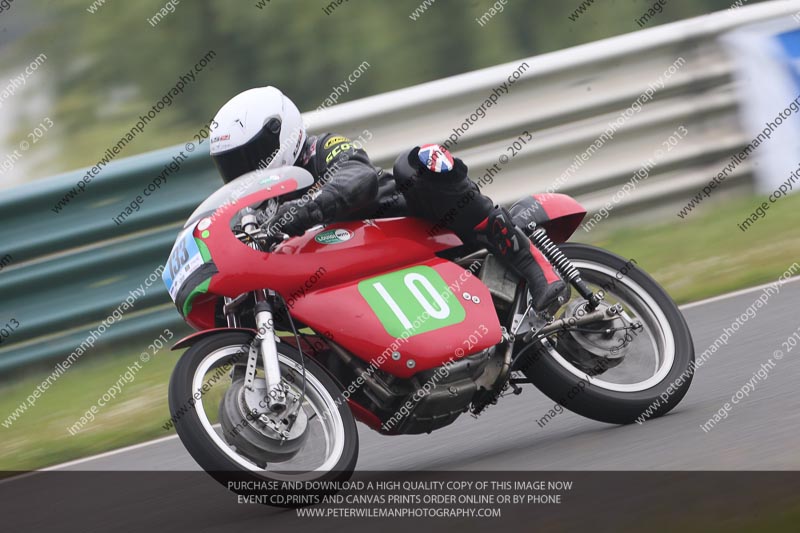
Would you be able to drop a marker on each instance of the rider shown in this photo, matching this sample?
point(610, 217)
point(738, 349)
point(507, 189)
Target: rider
point(261, 128)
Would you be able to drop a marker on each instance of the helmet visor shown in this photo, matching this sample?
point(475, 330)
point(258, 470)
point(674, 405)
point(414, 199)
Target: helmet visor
point(256, 153)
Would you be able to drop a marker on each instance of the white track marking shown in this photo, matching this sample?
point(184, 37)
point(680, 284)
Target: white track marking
point(110, 453)
point(735, 294)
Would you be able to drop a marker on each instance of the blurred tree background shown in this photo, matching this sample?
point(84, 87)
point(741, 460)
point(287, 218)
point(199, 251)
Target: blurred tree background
point(104, 69)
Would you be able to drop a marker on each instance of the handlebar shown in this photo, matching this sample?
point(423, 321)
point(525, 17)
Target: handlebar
point(255, 233)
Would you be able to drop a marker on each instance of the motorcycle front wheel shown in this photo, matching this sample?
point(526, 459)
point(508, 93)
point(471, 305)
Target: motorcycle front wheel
point(200, 390)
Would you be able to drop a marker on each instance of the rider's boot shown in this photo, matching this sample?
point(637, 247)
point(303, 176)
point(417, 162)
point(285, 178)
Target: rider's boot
point(509, 244)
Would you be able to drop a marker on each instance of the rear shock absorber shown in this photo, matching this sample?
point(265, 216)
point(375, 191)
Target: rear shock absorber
point(562, 264)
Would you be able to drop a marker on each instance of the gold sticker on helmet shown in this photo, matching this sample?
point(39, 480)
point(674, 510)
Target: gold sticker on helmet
point(335, 140)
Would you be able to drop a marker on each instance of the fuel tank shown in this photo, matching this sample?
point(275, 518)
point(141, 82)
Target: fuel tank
point(380, 292)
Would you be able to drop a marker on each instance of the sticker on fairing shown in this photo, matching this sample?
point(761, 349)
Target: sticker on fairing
point(184, 259)
point(412, 301)
point(333, 236)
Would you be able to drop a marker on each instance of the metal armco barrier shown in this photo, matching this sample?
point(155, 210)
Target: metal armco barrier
point(70, 270)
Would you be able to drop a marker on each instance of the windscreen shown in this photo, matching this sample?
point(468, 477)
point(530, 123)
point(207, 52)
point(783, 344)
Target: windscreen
point(247, 184)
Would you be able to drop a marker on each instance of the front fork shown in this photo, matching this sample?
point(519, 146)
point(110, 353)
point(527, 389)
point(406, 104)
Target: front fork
point(265, 343)
point(265, 346)
point(265, 339)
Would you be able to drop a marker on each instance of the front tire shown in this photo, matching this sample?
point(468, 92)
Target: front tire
point(615, 403)
point(210, 450)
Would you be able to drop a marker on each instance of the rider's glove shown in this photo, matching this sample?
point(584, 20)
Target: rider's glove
point(295, 217)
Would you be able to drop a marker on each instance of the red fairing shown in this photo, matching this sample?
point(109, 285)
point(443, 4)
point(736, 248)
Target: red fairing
point(343, 314)
point(365, 415)
point(318, 274)
point(203, 314)
point(373, 248)
point(564, 215)
point(375, 288)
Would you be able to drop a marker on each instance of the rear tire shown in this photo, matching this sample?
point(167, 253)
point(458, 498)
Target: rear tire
point(583, 397)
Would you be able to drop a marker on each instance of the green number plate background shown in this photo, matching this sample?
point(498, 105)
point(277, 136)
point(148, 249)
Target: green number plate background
point(407, 305)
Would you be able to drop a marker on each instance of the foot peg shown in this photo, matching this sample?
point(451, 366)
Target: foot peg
point(550, 300)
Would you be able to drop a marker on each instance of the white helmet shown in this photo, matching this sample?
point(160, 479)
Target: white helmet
point(257, 129)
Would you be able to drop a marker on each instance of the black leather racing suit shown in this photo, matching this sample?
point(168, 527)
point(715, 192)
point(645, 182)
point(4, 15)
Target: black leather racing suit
point(350, 187)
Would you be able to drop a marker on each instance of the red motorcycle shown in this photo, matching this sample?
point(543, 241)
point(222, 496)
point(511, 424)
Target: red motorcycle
point(404, 329)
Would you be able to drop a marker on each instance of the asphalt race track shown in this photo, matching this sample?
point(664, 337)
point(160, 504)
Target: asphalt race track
point(760, 433)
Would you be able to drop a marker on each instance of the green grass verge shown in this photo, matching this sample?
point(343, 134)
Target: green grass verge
point(40, 436)
point(695, 258)
point(706, 254)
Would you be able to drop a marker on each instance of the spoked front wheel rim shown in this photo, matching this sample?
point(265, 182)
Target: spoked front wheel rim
point(318, 401)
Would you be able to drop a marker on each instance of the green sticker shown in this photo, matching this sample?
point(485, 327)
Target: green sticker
point(204, 252)
point(197, 291)
point(269, 179)
point(333, 236)
point(412, 301)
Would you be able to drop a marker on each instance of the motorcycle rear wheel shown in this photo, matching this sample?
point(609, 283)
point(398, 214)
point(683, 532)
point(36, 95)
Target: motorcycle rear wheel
point(612, 400)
